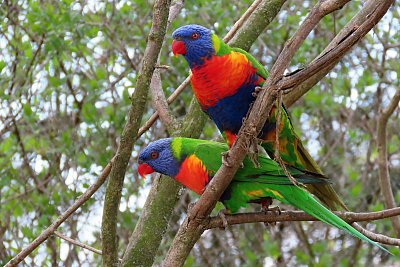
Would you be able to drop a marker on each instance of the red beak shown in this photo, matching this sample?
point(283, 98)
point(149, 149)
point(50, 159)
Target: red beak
point(144, 169)
point(178, 48)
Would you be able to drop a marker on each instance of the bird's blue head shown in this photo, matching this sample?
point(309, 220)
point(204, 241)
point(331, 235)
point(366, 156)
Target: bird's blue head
point(158, 157)
point(194, 42)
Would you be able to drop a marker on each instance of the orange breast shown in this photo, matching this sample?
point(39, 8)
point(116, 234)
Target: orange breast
point(193, 174)
point(220, 76)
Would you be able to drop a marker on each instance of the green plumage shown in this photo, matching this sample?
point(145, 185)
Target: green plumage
point(252, 184)
point(291, 150)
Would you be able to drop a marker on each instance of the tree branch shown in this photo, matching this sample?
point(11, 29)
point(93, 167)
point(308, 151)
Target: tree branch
point(295, 216)
point(302, 88)
point(287, 216)
point(160, 104)
point(384, 177)
point(256, 22)
point(139, 98)
point(53, 227)
point(162, 197)
point(77, 243)
point(193, 225)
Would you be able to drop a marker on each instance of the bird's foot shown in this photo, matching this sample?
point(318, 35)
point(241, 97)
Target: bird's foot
point(225, 157)
point(265, 207)
point(256, 91)
point(277, 210)
point(225, 160)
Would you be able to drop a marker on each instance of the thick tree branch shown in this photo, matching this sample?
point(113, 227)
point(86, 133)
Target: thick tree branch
point(193, 225)
point(53, 227)
point(139, 97)
point(384, 177)
point(163, 196)
point(262, 14)
point(302, 88)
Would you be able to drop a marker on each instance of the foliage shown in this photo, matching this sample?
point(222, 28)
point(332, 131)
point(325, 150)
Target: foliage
point(67, 69)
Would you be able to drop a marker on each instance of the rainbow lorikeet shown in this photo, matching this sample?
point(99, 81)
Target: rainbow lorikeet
point(194, 162)
point(224, 80)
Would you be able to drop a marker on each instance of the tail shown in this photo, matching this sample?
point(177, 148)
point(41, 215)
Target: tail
point(324, 192)
point(294, 154)
point(300, 199)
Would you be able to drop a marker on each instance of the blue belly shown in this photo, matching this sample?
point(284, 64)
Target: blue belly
point(229, 112)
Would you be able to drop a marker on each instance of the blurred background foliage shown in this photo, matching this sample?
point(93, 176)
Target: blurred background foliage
point(67, 69)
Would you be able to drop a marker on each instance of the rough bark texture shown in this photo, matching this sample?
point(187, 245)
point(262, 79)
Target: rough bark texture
point(156, 213)
point(139, 97)
point(256, 23)
point(303, 88)
point(192, 127)
point(384, 177)
point(194, 225)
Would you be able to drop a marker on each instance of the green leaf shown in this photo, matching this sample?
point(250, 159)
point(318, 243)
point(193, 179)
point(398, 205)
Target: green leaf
point(27, 110)
point(89, 112)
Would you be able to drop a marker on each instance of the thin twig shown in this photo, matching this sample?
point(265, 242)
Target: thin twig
point(241, 20)
point(77, 243)
point(50, 230)
point(287, 216)
point(383, 170)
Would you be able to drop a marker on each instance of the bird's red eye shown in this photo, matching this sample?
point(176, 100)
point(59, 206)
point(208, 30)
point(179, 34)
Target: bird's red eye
point(154, 155)
point(195, 35)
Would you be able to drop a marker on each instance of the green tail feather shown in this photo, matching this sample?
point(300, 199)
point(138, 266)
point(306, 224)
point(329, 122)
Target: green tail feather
point(302, 200)
point(325, 193)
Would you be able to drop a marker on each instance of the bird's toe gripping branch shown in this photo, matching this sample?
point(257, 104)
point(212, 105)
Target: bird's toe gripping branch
point(265, 207)
point(257, 90)
point(225, 160)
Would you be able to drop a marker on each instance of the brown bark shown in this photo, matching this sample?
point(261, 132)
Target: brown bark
point(384, 177)
point(193, 226)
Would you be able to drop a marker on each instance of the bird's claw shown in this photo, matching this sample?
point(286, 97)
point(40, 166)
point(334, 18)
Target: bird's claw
point(225, 156)
point(265, 207)
point(256, 91)
point(277, 210)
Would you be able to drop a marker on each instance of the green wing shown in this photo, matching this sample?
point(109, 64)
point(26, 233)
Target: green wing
point(269, 173)
point(291, 150)
point(257, 65)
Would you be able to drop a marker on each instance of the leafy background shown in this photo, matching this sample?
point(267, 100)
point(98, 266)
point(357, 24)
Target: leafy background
point(67, 69)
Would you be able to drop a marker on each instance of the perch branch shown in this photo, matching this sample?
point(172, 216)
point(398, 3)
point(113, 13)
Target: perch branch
point(383, 171)
point(193, 226)
point(289, 216)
